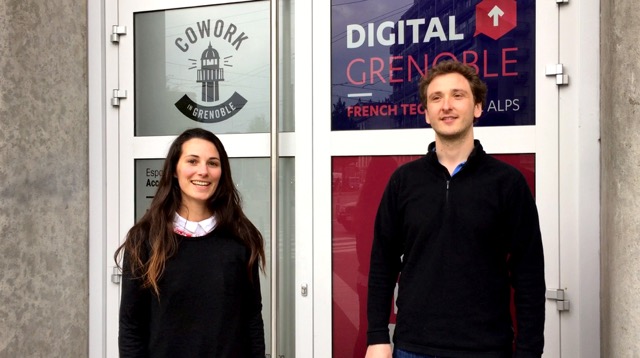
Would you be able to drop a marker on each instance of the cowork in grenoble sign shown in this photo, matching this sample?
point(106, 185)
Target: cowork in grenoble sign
point(381, 49)
point(205, 66)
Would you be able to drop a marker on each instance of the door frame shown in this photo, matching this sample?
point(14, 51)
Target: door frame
point(579, 176)
point(541, 139)
point(107, 225)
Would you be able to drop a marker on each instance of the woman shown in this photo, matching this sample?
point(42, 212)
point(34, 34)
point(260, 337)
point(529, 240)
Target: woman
point(190, 283)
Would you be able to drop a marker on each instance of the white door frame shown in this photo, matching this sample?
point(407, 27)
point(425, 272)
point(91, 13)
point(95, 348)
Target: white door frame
point(110, 148)
point(579, 173)
point(542, 140)
point(102, 58)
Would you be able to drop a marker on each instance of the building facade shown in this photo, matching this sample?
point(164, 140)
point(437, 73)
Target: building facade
point(69, 175)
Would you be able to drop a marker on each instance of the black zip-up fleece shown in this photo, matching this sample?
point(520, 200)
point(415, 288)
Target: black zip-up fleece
point(459, 244)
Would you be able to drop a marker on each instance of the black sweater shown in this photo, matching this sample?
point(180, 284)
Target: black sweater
point(460, 244)
point(207, 305)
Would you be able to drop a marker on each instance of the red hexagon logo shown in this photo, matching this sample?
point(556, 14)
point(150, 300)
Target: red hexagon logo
point(495, 18)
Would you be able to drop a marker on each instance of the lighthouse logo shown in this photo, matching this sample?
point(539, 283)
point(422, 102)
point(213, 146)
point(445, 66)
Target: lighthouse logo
point(210, 74)
point(213, 104)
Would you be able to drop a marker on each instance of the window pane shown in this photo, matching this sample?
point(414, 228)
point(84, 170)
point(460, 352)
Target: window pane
point(358, 183)
point(202, 67)
point(252, 178)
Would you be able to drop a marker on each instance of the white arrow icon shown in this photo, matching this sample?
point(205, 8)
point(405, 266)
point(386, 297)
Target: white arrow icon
point(496, 12)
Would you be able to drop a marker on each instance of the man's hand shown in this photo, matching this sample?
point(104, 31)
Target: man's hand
point(379, 351)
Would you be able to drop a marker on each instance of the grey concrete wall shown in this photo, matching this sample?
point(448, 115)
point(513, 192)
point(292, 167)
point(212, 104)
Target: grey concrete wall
point(43, 179)
point(620, 179)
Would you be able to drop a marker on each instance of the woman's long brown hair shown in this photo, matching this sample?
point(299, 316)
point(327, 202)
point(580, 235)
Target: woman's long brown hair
point(151, 241)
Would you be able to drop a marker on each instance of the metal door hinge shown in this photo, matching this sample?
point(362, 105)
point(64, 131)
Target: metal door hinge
point(116, 275)
point(558, 295)
point(117, 96)
point(558, 71)
point(116, 31)
point(304, 290)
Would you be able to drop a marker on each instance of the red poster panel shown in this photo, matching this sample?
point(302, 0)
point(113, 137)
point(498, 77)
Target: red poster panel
point(357, 186)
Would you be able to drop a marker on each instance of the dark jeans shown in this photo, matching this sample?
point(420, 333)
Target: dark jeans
point(399, 353)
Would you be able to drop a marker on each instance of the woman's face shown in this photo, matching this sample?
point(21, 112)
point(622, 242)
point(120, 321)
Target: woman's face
point(198, 172)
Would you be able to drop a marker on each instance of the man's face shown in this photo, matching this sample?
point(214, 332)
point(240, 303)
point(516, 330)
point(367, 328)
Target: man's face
point(450, 106)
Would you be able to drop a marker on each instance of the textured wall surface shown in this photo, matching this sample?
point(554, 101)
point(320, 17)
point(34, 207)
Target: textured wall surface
point(43, 179)
point(620, 134)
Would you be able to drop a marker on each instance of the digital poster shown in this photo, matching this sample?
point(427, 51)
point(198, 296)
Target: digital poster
point(380, 49)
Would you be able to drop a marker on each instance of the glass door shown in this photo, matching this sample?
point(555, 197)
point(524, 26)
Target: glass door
point(209, 64)
point(368, 59)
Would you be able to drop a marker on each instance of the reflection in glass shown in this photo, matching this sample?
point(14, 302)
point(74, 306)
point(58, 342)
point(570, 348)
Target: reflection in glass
point(253, 183)
point(252, 179)
point(286, 36)
point(286, 258)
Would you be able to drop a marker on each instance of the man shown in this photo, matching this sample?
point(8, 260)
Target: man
point(457, 229)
